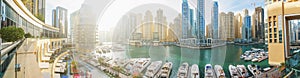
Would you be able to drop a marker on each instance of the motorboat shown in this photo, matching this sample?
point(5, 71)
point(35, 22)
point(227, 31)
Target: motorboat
point(195, 71)
point(254, 69)
point(183, 71)
point(219, 71)
point(233, 72)
point(242, 70)
point(209, 72)
point(166, 70)
point(152, 69)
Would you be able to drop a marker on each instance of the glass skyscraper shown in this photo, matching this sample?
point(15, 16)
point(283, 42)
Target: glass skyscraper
point(185, 19)
point(200, 28)
point(247, 28)
point(215, 18)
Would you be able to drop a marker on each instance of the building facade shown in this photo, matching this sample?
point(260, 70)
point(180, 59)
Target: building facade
point(200, 21)
point(258, 24)
point(185, 19)
point(246, 30)
point(36, 7)
point(214, 20)
point(61, 21)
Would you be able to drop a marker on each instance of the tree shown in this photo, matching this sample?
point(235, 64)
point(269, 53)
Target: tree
point(12, 34)
point(28, 35)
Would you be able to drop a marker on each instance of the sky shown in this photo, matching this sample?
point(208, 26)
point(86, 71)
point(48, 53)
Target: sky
point(121, 7)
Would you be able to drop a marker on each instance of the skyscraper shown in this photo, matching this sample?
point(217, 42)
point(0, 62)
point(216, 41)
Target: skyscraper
point(226, 24)
point(200, 20)
point(238, 24)
point(258, 24)
point(60, 20)
point(222, 26)
point(246, 31)
point(214, 20)
point(148, 27)
point(192, 23)
point(230, 27)
point(185, 19)
point(161, 24)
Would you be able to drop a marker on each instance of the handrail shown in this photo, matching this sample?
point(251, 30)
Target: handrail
point(6, 50)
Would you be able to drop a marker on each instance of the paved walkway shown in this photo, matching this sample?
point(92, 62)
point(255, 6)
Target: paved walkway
point(28, 61)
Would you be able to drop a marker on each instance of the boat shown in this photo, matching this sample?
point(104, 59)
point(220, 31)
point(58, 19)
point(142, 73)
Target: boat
point(267, 69)
point(195, 71)
point(254, 69)
point(183, 71)
point(254, 60)
point(166, 70)
point(141, 64)
point(209, 72)
point(242, 70)
point(219, 71)
point(233, 72)
point(152, 69)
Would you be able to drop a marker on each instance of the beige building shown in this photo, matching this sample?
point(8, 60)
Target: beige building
point(238, 24)
point(226, 23)
point(279, 12)
point(209, 31)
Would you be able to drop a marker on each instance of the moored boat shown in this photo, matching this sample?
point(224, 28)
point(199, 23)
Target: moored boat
point(219, 71)
point(166, 70)
point(183, 71)
point(233, 72)
point(209, 72)
point(195, 71)
point(242, 70)
point(254, 70)
point(152, 69)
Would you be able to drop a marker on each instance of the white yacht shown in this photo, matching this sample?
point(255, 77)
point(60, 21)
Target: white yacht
point(166, 70)
point(195, 71)
point(141, 64)
point(233, 72)
point(253, 69)
point(242, 70)
point(209, 72)
point(219, 71)
point(152, 69)
point(183, 71)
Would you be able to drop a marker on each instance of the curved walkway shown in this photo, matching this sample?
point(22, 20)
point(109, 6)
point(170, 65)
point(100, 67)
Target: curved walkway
point(55, 62)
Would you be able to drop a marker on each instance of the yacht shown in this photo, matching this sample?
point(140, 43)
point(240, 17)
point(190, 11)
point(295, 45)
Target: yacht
point(209, 72)
point(183, 71)
point(219, 71)
point(166, 70)
point(152, 69)
point(195, 71)
point(233, 72)
point(254, 70)
point(242, 70)
point(141, 64)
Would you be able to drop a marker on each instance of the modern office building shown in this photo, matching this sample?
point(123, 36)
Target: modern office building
point(61, 20)
point(246, 30)
point(200, 21)
point(258, 24)
point(192, 23)
point(74, 27)
point(36, 7)
point(215, 20)
point(185, 19)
